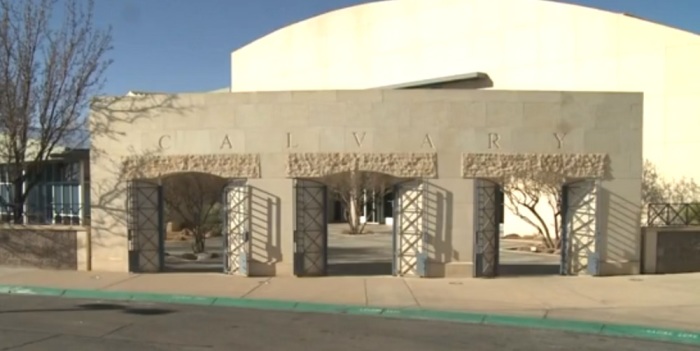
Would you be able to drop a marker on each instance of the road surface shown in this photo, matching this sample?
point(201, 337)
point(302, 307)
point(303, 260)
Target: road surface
point(46, 323)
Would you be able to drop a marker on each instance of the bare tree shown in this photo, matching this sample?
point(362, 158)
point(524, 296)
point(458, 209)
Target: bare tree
point(656, 189)
point(194, 198)
point(48, 73)
point(653, 186)
point(353, 189)
point(524, 197)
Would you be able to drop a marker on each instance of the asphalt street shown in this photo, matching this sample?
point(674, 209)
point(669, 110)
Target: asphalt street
point(47, 323)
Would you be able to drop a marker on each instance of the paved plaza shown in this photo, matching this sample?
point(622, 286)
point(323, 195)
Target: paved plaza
point(363, 254)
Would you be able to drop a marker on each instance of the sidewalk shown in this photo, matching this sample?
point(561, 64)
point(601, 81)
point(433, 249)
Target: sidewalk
point(671, 301)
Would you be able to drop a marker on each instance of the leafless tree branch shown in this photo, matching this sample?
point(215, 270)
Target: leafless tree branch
point(47, 76)
point(193, 198)
point(527, 192)
point(351, 188)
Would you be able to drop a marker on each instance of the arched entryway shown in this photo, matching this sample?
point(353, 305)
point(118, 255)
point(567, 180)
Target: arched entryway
point(356, 246)
point(573, 183)
point(356, 180)
point(188, 222)
point(209, 193)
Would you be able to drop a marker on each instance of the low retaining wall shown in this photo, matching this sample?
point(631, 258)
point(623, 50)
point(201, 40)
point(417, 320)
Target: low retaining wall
point(46, 247)
point(671, 250)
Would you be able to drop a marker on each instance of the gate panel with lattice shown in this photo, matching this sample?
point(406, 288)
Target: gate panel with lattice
point(580, 233)
point(410, 229)
point(486, 240)
point(236, 227)
point(310, 229)
point(145, 226)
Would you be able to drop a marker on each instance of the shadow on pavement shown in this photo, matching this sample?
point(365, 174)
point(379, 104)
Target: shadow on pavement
point(99, 307)
point(360, 268)
point(358, 254)
point(528, 269)
point(193, 268)
point(357, 261)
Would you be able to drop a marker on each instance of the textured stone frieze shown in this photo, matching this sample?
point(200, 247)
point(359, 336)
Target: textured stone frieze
point(404, 165)
point(224, 165)
point(505, 165)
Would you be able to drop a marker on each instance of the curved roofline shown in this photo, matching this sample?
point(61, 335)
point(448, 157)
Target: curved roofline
point(556, 2)
point(625, 14)
point(307, 19)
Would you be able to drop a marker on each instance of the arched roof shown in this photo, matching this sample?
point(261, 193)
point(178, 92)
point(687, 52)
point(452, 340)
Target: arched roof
point(388, 42)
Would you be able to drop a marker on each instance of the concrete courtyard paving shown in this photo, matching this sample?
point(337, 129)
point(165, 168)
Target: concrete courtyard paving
point(365, 254)
point(49, 323)
point(662, 301)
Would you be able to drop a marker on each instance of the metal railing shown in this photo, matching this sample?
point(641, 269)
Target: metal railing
point(673, 214)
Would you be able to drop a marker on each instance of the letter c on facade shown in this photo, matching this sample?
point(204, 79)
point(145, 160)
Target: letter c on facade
point(164, 142)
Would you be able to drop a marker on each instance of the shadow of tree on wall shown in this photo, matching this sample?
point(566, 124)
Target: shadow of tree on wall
point(111, 120)
point(39, 248)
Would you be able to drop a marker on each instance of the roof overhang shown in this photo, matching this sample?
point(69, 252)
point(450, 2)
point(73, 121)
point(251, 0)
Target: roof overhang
point(426, 83)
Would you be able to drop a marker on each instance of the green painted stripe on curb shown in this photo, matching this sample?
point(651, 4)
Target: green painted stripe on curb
point(464, 317)
point(365, 310)
point(617, 330)
point(679, 336)
point(96, 294)
point(255, 304)
point(322, 307)
point(5, 289)
point(178, 299)
point(31, 290)
point(539, 322)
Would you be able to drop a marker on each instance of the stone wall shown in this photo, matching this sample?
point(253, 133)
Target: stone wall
point(271, 138)
point(671, 250)
point(46, 248)
point(678, 251)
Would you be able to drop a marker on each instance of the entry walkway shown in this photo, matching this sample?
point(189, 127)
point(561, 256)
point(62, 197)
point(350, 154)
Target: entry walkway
point(661, 301)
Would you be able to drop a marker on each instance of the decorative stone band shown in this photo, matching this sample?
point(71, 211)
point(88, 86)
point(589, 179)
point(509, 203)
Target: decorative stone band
point(403, 165)
point(224, 165)
point(506, 165)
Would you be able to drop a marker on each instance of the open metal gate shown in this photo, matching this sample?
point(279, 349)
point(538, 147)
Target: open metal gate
point(145, 229)
point(486, 218)
point(236, 227)
point(410, 229)
point(580, 232)
point(310, 228)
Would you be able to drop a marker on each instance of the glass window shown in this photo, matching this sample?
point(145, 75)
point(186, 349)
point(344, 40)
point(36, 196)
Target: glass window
point(75, 203)
point(55, 198)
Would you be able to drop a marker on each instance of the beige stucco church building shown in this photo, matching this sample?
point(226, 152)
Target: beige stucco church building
point(450, 97)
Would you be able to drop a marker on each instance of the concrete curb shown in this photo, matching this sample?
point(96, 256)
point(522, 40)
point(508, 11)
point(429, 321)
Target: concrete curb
point(606, 329)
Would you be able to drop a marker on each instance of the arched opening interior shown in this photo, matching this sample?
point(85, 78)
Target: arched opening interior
point(359, 229)
point(536, 226)
point(193, 216)
point(530, 226)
